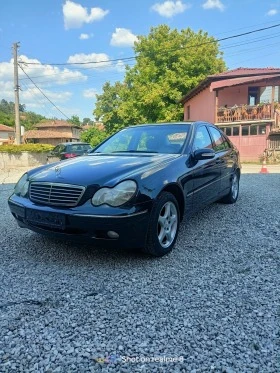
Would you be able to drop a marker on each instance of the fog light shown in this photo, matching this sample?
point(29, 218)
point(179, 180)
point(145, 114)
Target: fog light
point(112, 234)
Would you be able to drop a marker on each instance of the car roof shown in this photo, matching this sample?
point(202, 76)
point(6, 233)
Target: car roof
point(74, 143)
point(192, 123)
point(161, 124)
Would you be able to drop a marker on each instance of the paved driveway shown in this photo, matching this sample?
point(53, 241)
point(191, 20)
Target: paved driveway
point(211, 305)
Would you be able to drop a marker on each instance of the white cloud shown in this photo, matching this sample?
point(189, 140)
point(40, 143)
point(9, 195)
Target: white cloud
point(75, 15)
point(85, 36)
point(90, 93)
point(123, 37)
point(170, 8)
point(6, 70)
point(29, 94)
point(100, 60)
point(214, 4)
point(97, 61)
point(272, 12)
point(120, 66)
point(45, 76)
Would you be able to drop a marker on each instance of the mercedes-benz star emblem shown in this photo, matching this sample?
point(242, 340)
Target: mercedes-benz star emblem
point(57, 171)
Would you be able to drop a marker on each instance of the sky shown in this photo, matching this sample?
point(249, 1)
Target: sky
point(66, 32)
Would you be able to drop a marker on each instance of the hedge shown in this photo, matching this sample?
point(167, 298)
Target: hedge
point(35, 148)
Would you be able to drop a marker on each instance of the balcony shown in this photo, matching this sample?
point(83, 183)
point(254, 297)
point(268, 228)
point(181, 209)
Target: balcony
point(244, 113)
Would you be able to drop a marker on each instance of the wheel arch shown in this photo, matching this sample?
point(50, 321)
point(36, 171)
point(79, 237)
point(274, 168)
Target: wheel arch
point(238, 171)
point(178, 194)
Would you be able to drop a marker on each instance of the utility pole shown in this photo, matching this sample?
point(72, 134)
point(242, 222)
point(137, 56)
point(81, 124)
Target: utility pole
point(16, 89)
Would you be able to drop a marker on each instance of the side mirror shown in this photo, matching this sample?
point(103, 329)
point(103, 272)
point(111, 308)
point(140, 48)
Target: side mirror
point(204, 153)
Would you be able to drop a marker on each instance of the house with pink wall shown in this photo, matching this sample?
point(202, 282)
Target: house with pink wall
point(245, 104)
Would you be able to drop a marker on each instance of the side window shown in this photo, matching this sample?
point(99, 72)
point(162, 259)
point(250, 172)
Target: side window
point(202, 139)
point(219, 140)
point(58, 149)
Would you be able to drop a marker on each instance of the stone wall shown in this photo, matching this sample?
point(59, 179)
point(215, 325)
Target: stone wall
point(23, 159)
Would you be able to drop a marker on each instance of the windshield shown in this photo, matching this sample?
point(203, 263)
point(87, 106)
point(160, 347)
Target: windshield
point(147, 139)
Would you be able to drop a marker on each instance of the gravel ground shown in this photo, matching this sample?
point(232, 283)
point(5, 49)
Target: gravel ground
point(211, 303)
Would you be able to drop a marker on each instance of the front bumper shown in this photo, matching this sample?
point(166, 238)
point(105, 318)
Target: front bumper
point(79, 225)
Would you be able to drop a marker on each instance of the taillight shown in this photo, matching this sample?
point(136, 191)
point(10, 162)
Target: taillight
point(70, 155)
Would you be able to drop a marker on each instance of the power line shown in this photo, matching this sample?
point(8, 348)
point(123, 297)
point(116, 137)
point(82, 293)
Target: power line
point(253, 58)
point(252, 49)
point(91, 76)
point(88, 75)
point(43, 92)
point(79, 63)
point(40, 102)
point(134, 57)
point(256, 40)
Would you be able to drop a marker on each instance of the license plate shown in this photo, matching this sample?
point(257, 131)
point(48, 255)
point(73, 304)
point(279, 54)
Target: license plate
point(49, 219)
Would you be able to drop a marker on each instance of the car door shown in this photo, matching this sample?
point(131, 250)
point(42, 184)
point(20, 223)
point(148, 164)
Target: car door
point(225, 156)
point(206, 173)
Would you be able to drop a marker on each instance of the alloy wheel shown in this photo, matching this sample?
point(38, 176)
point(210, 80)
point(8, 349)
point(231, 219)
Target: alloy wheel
point(167, 224)
point(234, 186)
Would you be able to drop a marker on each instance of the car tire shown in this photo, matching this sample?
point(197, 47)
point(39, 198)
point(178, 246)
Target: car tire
point(232, 196)
point(163, 226)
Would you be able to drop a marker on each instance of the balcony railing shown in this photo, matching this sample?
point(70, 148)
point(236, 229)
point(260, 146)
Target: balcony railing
point(244, 113)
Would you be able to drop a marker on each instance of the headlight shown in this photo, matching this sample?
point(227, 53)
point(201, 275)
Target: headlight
point(22, 186)
point(116, 196)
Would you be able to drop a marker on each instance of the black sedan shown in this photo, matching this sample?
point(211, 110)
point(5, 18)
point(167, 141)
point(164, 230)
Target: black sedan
point(133, 189)
point(69, 150)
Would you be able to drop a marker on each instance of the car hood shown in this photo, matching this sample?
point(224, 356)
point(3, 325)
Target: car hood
point(101, 169)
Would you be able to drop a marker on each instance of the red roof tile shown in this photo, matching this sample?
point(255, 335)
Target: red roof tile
point(241, 72)
point(237, 81)
point(5, 128)
point(55, 123)
point(247, 71)
point(47, 134)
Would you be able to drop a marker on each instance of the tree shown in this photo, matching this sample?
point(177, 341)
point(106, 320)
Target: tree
point(87, 121)
point(75, 120)
point(93, 136)
point(108, 105)
point(169, 64)
point(22, 108)
point(27, 119)
point(31, 119)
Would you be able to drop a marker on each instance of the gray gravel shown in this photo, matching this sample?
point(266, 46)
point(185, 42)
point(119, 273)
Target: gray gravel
point(213, 301)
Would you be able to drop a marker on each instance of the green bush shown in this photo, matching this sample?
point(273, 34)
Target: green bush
point(36, 148)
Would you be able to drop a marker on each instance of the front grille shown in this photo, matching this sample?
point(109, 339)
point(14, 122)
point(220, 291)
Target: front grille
point(56, 194)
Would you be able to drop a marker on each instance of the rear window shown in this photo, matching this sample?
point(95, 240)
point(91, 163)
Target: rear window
point(78, 147)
